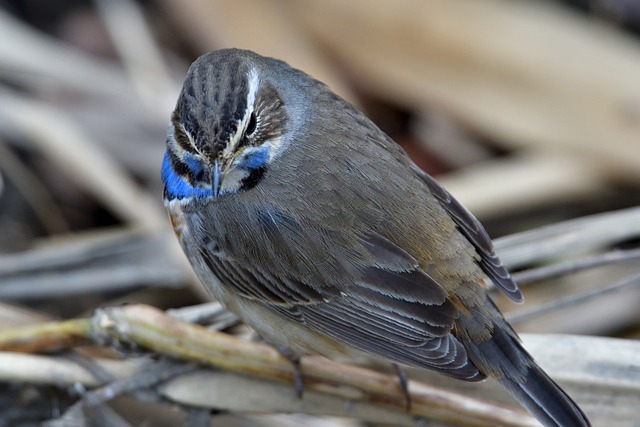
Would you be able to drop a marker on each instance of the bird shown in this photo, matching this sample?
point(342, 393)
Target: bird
point(306, 220)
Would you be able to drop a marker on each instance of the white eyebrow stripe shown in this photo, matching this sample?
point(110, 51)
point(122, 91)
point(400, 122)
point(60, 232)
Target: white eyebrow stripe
point(177, 148)
point(190, 139)
point(253, 82)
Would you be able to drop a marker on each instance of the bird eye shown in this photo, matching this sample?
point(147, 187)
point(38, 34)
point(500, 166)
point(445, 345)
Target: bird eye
point(251, 126)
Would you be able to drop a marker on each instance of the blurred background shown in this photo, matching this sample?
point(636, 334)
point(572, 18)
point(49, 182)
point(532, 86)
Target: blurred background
point(527, 111)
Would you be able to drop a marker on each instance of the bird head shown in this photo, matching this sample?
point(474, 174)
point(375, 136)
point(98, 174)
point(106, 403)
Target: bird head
point(227, 127)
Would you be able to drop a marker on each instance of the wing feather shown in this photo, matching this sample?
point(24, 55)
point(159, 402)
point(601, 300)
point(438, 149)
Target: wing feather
point(343, 321)
point(392, 310)
point(477, 235)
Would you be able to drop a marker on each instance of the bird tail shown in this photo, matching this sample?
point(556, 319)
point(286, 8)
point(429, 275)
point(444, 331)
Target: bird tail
point(503, 358)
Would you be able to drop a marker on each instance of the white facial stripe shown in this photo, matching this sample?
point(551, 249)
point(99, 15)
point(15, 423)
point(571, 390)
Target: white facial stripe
point(275, 147)
point(180, 150)
point(171, 134)
point(253, 88)
point(253, 81)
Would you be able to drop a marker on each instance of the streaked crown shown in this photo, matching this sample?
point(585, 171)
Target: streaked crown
point(226, 128)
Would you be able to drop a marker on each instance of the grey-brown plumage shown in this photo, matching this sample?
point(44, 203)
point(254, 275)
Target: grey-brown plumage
point(316, 228)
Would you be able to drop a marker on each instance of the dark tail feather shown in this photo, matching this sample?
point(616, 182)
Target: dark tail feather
point(504, 358)
point(546, 400)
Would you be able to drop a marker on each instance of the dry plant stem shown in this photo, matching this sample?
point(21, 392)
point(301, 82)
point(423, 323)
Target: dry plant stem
point(574, 266)
point(29, 57)
point(58, 371)
point(83, 281)
point(567, 237)
point(205, 313)
point(214, 24)
point(79, 415)
point(528, 74)
point(132, 37)
point(82, 249)
point(46, 337)
point(64, 142)
point(144, 379)
point(90, 365)
point(152, 329)
point(33, 191)
point(581, 298)
point(89, 263)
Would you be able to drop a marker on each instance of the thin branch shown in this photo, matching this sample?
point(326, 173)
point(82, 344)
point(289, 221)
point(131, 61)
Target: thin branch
point(78, 415)
point(572, 300)
point(90, 365)
point(35, 369)
point(204, 314)
point(46, 337)
point(143, 379)
point(129, 30)
point(573, 236)
point(574, 266)
point(150, 328)
point(33, 191)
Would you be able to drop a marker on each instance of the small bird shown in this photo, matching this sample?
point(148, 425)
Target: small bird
point(306, 220)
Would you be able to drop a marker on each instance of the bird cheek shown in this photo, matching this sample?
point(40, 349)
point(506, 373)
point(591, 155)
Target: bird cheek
point(232, 180)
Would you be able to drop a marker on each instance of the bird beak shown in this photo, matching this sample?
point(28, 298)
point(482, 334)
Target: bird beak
point(216, 178)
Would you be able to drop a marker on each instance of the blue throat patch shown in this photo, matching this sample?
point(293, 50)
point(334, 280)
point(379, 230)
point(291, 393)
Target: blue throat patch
point(177, 187)
point(257, 159)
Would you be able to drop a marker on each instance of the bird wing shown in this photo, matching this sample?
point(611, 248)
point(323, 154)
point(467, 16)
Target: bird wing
point(390, 309)
point(475, 233)
point(403, 317)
